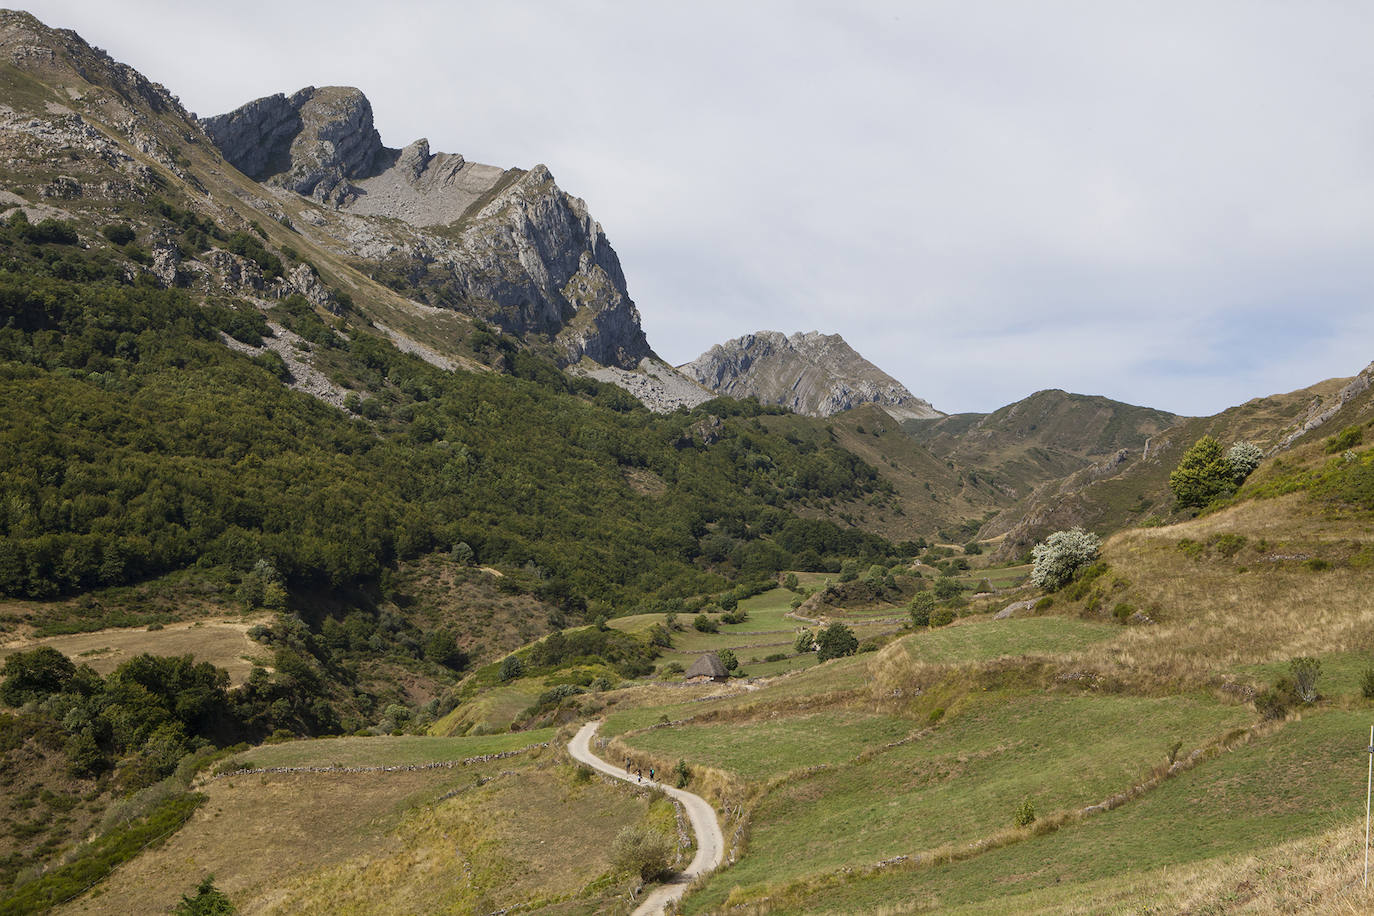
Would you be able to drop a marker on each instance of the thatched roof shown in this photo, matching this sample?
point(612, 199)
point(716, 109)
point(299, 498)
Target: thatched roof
point(708, 665)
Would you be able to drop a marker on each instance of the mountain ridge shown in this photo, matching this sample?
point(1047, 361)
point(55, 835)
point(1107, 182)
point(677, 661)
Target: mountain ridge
point(507, 246)
point(813, 374)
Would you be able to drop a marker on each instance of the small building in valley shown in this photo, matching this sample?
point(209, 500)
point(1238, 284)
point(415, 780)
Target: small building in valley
point(706, 669)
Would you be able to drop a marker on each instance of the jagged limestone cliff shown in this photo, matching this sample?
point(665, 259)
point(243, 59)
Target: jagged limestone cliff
point(813, 374)
point(504, 245)
point(424, 244)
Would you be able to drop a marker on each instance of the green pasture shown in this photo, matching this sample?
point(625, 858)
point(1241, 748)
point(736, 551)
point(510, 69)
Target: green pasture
point(762, 668)
point(964, 781)
point(815, 680)
point(1001, 577)
point(635, 623)
point(692, 643)
point(1307, 778)
point(628, 720)
point(493, 709)
point(763, 750)
point(835, 675)
point(728, 638)
point(1342, 673)
point(985, 638)
point(387, 750)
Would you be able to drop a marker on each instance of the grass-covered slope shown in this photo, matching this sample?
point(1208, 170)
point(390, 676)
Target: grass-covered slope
point(1134, 489)
point(1040, 435)
point(330, 837)
point(1170, 762)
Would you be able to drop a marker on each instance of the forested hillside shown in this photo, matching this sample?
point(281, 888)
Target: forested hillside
point(137, 443)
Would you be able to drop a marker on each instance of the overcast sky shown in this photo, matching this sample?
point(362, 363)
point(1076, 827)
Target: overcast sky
point(1168, 203)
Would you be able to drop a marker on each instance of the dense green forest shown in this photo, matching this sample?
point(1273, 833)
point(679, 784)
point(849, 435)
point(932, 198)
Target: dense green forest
point(134, 443)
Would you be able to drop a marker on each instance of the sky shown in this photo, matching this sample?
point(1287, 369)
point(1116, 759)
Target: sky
point(1167, 203)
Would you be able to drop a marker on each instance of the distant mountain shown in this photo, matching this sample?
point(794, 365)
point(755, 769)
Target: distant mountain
point(1043, 437)
point(959, 474)
point(217, 341)
point(812, 374)
point(1131, 485)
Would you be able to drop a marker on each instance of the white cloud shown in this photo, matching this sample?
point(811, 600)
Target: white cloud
point(1170, 204)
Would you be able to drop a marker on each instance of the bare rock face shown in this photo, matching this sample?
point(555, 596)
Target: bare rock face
point(813, 374)
point(256, 139)
point(504, 245)
point(656, 384)
point(313, 142)
point(1321, 411)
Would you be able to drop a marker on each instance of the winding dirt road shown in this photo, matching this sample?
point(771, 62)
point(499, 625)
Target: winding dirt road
point(710, 841)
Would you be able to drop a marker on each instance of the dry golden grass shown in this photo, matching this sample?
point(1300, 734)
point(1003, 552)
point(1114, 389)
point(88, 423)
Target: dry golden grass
point(1318, 874)
point(1263, 604)
point(1213, 613)
point(531, 838)
point(523, 831)
point(257, 831)
point(223, 643)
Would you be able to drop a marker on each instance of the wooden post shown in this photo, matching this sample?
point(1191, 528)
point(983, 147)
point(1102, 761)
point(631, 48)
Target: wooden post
point(1368, 786)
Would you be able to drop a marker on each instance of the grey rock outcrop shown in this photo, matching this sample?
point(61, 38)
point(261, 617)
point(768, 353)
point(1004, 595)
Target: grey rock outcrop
point(303, 279)
point(813, 374)
point(256, 138)
point(504, 245)
point(1321, 411)
point(658, 385)
point(313, 142)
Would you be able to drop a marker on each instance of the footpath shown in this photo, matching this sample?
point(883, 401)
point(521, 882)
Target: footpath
point(710, 840)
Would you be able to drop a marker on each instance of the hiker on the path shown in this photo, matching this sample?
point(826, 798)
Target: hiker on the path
point(627, 764)
point(639, 775)
point(651, 774)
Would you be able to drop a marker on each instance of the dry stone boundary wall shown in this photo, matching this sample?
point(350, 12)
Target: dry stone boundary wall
point(397, 768)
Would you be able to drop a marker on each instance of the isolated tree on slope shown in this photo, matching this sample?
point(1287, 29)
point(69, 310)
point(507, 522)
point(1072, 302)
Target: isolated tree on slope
point(835, 641)
point(1061, 554)
point(1203, 474)
point(1243, 457)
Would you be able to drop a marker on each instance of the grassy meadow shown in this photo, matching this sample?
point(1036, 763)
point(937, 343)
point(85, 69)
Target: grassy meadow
point(468, 840)
point(386, 750)
point(1071, 710)
point(770, 748)
point(1288, 788)
point(977, 640)
point(222, 643)
point(961, 782)
point(891, 781)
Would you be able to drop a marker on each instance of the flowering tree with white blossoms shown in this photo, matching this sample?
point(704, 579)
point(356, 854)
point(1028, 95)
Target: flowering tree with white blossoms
point(1244, 457)
point(1061, 554)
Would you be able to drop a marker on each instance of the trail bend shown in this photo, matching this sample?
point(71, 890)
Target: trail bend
point(710, 840)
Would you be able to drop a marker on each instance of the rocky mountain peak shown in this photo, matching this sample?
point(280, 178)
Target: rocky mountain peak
point(31, 45)
point(504, 245)
point(313, 142)
point(811, 373)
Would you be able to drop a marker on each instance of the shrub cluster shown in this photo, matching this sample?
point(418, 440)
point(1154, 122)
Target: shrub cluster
point(151, 711)
point(921, 607)
point(1206, 473)
point(1061, 555)
point(642, 851)
point(835, 641)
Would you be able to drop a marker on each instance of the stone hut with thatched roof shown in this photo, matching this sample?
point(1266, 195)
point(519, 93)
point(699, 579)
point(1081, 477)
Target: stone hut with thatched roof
point(706, 669)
